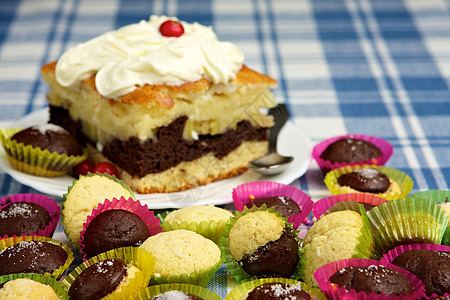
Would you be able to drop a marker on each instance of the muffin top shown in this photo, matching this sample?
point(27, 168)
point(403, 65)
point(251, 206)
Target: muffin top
point(198, 214)
point(350, 150)
point(181, 252)
point(23, 218)
point(49, 137)
point(24, 288)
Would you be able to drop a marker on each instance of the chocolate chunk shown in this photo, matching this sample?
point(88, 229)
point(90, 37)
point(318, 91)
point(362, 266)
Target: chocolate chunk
point(32, 257)
point(378, 279)
point(367, 180)
point(275, 259)
point(23, 218)
point(285, 205)
point(350, 150)
point(114, 229)
point(98, 280)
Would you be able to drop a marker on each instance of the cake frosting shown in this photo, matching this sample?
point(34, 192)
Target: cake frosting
point(139, 54)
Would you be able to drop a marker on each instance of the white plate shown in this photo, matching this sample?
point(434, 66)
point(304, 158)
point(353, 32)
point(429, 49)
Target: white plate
point(292, 141)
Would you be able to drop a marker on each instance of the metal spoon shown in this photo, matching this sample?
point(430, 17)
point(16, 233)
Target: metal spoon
point(273, 163)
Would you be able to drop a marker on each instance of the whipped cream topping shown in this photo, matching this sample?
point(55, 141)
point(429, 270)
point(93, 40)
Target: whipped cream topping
point(138, 54)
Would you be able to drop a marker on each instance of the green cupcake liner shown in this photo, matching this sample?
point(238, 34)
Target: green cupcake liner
point(211, 230)
point(238, 292)
point(402, 179)
point(36, 161)
point(58, 287)
point(196, 290)
point(234, 267)
point(8, 242)
point(411, 220)
point(63, 205)
point(138, 257)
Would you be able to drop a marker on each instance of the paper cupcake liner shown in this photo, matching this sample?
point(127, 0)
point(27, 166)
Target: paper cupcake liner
point(406, 221)
point(130, 205)
point(439, 197)
point(196, 290)
point(244, 288)
point(138, 257)
point(402, 179)
point(36, 161)
point(47, 203)
point(321, 206)
point(234, 267)
point(386, 149)
point(75, 244)
point(211, 230)
point(8, 242)
point(333, 291)
point(58, 287)
point(200, 278)
point(260, 189)
point(392, 254)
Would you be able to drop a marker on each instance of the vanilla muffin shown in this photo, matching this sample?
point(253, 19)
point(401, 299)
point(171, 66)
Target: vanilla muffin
point(180, 252)
point(84, 195)
point(333, 237)
point(27, 289)
point(198, 214)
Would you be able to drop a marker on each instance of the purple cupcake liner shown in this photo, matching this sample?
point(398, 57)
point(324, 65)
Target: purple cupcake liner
point(260, 189)
point(321, 206)
point(392, 254)
point(47, 203)
point(131, 205)
point(333, 291)
point(386, 149)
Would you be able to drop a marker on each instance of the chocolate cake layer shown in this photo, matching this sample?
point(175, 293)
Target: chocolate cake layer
point(168, 149)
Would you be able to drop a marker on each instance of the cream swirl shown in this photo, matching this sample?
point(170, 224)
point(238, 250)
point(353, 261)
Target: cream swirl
point(138, 54)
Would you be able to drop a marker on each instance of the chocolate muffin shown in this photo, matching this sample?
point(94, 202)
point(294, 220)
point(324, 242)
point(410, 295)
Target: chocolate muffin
point(274, 259)
point(23, 218)
point(32, 257)
point(49, 137)
point(98, 280)
point(378, 279)
point(114, 229)
point(350, 150)
point(285, 205)
point(366, 180)
point(432, 267)
point(176, 295)
point(275, 290)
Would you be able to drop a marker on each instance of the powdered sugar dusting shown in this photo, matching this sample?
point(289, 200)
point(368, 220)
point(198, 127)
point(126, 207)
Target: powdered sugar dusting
point(49, 127)
point(172, 295)
point(368, 172)
point(18, 209)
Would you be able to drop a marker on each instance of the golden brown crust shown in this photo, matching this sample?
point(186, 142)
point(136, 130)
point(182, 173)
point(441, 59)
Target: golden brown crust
point(163, 94)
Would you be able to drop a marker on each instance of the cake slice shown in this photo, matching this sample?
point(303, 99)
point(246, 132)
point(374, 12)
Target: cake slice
point(171, 113)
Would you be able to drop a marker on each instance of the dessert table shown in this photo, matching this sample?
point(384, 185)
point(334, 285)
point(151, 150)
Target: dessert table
point(379, 68)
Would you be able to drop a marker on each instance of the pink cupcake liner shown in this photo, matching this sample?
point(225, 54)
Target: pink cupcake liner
point(321, 206)
point(386, 149)
point(260, 189)
point(134, 206)
point(47, 203)
point(392, 254)
point(333, 291)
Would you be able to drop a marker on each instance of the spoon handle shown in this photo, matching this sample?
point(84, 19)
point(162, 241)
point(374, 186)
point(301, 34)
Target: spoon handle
point(280, 116)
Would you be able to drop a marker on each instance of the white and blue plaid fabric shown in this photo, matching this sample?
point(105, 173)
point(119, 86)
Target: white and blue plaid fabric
point(377, 67)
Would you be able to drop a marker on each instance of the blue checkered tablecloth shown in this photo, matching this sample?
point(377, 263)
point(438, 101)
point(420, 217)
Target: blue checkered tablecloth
point(378, 67)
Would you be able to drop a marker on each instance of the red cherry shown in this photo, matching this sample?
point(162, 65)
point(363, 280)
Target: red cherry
point(171, 28)
point(82, 168)
point(105, 167)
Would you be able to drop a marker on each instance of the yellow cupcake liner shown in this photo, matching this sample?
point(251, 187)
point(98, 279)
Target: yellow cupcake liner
point(411, 220)
point(76, 245)
point(8, 242)
point(196, 290)
point(403, 180)
point(138, 257)
point(211, 230)
point(246, 287)
point(439, 197)
point(234, 267)
point(36, 161)
point(58, 287)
